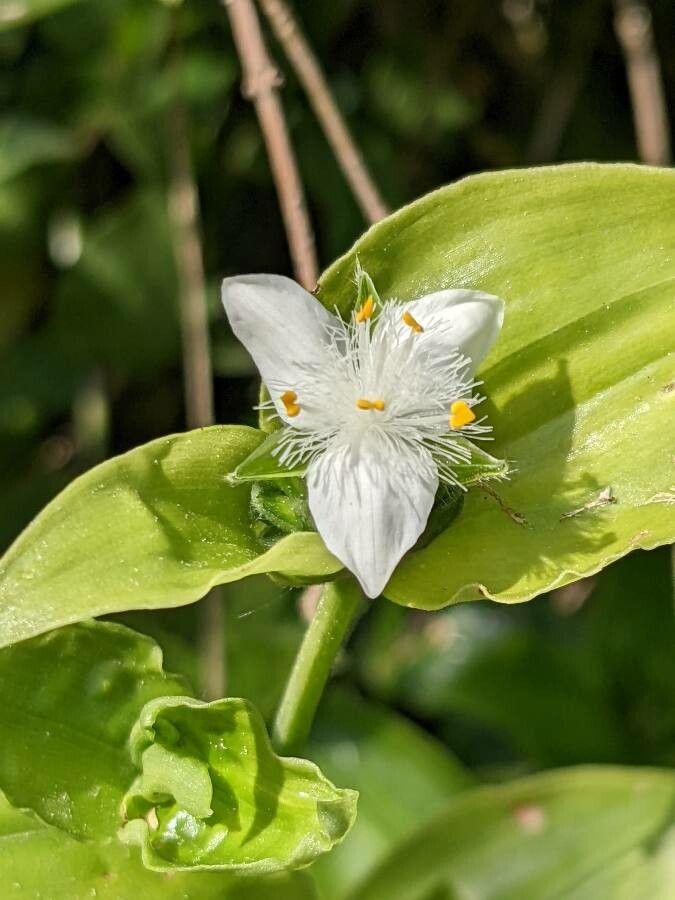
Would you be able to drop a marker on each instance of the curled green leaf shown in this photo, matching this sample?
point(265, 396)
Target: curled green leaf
point(213, 795)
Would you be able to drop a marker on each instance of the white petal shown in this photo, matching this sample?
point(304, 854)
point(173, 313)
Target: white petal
point(370, 504)
point(467, 320)
point(280, 324)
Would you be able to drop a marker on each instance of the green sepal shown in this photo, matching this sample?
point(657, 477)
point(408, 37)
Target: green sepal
point(365, 287)
point(481, 466)
point(263, 464)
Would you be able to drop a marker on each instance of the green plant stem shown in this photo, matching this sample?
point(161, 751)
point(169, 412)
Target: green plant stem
point(338, 608)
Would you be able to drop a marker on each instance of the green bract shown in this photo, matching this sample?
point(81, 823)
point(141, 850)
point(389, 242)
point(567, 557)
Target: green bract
point(262, 465)
point(585, 833)
point(213, 794)
point(579, 383)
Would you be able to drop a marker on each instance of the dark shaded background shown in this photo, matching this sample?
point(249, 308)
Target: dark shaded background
point(89, 332)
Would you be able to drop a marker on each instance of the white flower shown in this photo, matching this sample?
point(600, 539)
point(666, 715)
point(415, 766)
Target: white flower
point(374, 406)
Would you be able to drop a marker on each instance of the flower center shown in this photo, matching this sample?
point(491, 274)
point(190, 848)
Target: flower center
point(289, 399)
point(460, 414)
point(362, 403)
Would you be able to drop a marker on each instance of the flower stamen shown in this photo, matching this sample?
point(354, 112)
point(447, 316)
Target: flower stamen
point(366, 310)
point(289, 399)
point(362, 403)
point(461, 414)
point(412, 322)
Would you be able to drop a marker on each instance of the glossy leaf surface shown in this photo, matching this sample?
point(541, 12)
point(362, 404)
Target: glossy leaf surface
point(156, 527)
point(39, 860)
point(95, 733)
point(69, 701)
point(213, 794)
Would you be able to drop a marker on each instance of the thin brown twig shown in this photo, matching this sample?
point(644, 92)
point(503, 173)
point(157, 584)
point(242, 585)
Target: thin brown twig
point(312, 79)
point(261, 80)
point(184, 218)
point(633, 27)
point(183, 210)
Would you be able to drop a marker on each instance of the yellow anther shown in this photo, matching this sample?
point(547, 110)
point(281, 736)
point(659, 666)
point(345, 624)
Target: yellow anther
point(289, 398)
point(412, 322)
point(366, 310)
point(461, 414)
point(362, 403)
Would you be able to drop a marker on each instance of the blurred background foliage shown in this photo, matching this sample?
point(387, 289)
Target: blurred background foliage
point(90, 357)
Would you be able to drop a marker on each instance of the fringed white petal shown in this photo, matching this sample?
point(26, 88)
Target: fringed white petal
point(370, 504)
point(469, 321)
point(282, 326)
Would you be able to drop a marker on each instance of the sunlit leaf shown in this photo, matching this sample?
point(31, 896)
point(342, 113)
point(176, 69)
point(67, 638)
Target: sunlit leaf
point(156, 527)
point(579, 383)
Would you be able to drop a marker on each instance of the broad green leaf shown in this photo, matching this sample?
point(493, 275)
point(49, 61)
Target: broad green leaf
point(579, 383)
point(372, 749)
point(69, 701)
point(156, 527)
point(577, 833)
point(38, 860)
point(213, 794)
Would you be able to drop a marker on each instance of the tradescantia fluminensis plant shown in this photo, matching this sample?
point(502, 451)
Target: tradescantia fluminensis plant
point(369, 473)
